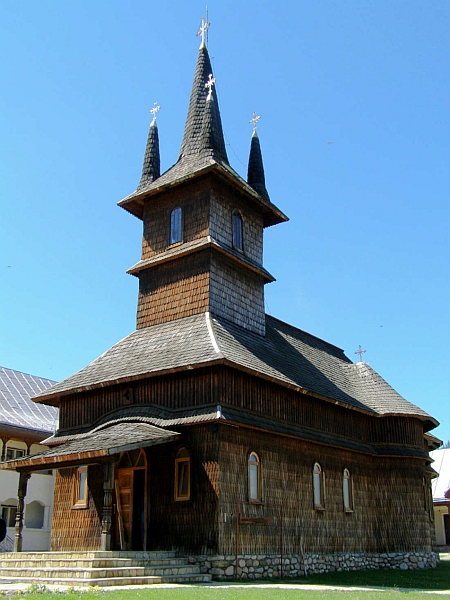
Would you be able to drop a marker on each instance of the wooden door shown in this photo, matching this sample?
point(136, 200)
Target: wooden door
point(125, 508)
point(131, 501)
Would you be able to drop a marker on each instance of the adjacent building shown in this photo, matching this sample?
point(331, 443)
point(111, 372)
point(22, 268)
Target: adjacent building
point(23, 425)
point(441, 495)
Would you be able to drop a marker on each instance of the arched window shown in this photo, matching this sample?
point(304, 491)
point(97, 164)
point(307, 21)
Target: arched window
point(254, 477)
point(176, 225)
point(238, 237)
point(183, 475)
point(318, 475)
point(34, 515)
point(347, 490)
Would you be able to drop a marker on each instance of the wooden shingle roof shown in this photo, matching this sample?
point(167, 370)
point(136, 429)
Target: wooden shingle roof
point(202, 150)
point(285, 355)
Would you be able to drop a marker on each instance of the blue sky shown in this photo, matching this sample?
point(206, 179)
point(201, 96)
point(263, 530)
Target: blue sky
point(354, 105)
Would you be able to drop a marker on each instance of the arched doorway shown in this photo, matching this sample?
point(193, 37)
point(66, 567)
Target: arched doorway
point(131, 501)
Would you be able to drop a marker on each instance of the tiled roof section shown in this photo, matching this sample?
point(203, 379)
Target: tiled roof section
point(16, 408)
point(160, 416)
point(152, 164)
point(255, 173)
point(299, 359)
point(162, 347)
point(369, 387)
point(286, 355)
point(103, 442)
point(203, 126)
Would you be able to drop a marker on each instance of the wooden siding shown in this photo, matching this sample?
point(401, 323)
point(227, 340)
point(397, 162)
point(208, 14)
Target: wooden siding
point(76, 529)
point(174, 290)
point(388, 511)
point(224, 201)
point(237, 294)
point(189, 526)
point(229, 387)
point(194, 199)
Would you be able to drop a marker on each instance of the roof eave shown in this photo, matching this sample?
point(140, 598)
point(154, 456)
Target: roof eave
point(134, 203)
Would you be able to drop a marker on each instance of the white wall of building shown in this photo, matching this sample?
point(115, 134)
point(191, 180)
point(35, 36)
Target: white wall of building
point(39, 496)
point(439, 512)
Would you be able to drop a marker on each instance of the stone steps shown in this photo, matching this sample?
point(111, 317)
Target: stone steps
point(99, 568)
point(94, 563)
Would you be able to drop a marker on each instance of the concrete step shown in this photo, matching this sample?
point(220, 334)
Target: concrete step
point(97, 554)
point(99, 568)
point(75, 573)
point(116, 581)
point(98, 563)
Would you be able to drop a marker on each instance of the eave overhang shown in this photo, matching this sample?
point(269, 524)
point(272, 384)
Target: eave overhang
point(134, 203)
point(95, 446)
point(197, 246)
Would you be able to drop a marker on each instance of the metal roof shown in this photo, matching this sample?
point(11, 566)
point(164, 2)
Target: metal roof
point(16, 407)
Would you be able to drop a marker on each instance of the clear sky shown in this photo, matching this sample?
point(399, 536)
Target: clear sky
point(354, 104)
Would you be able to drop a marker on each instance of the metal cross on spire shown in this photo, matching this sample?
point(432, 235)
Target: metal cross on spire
point(209, 84)
point(253, 121)
point(203, 31)
point(154, 110)
point(360, 351)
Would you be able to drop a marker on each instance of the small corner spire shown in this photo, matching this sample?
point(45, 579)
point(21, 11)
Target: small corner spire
point(255, 174)
point(152, 163)
point(203, 31)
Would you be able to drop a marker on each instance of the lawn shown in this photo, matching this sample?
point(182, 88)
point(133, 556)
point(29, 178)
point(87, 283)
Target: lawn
point(394, 583)
point(232, 593)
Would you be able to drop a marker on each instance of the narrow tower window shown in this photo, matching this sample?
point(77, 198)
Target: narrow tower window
point(238, 241)
point(347, 490)
point(319, 502)
point(175, 225)
point(254, 477)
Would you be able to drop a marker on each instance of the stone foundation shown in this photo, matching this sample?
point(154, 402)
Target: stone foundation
point(259, 566)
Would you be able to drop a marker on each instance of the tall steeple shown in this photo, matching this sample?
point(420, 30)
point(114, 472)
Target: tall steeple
point(202, 245)
point(198, 135)
point(151, 165)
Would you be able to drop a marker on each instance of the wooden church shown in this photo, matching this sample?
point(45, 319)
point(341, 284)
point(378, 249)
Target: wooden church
point(215, 430)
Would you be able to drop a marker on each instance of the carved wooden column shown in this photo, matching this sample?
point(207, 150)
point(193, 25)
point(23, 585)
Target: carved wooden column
point(108, 486)
point(21, 493)
point(5, 441)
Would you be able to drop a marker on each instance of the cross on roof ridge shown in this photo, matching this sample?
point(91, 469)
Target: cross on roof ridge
point(360, 351)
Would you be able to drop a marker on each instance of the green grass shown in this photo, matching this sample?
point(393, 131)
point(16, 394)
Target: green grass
point(426, 579)
point(393, 581)
point(231, 593)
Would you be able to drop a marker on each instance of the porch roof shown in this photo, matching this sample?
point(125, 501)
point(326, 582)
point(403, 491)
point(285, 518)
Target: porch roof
point(100, 443)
